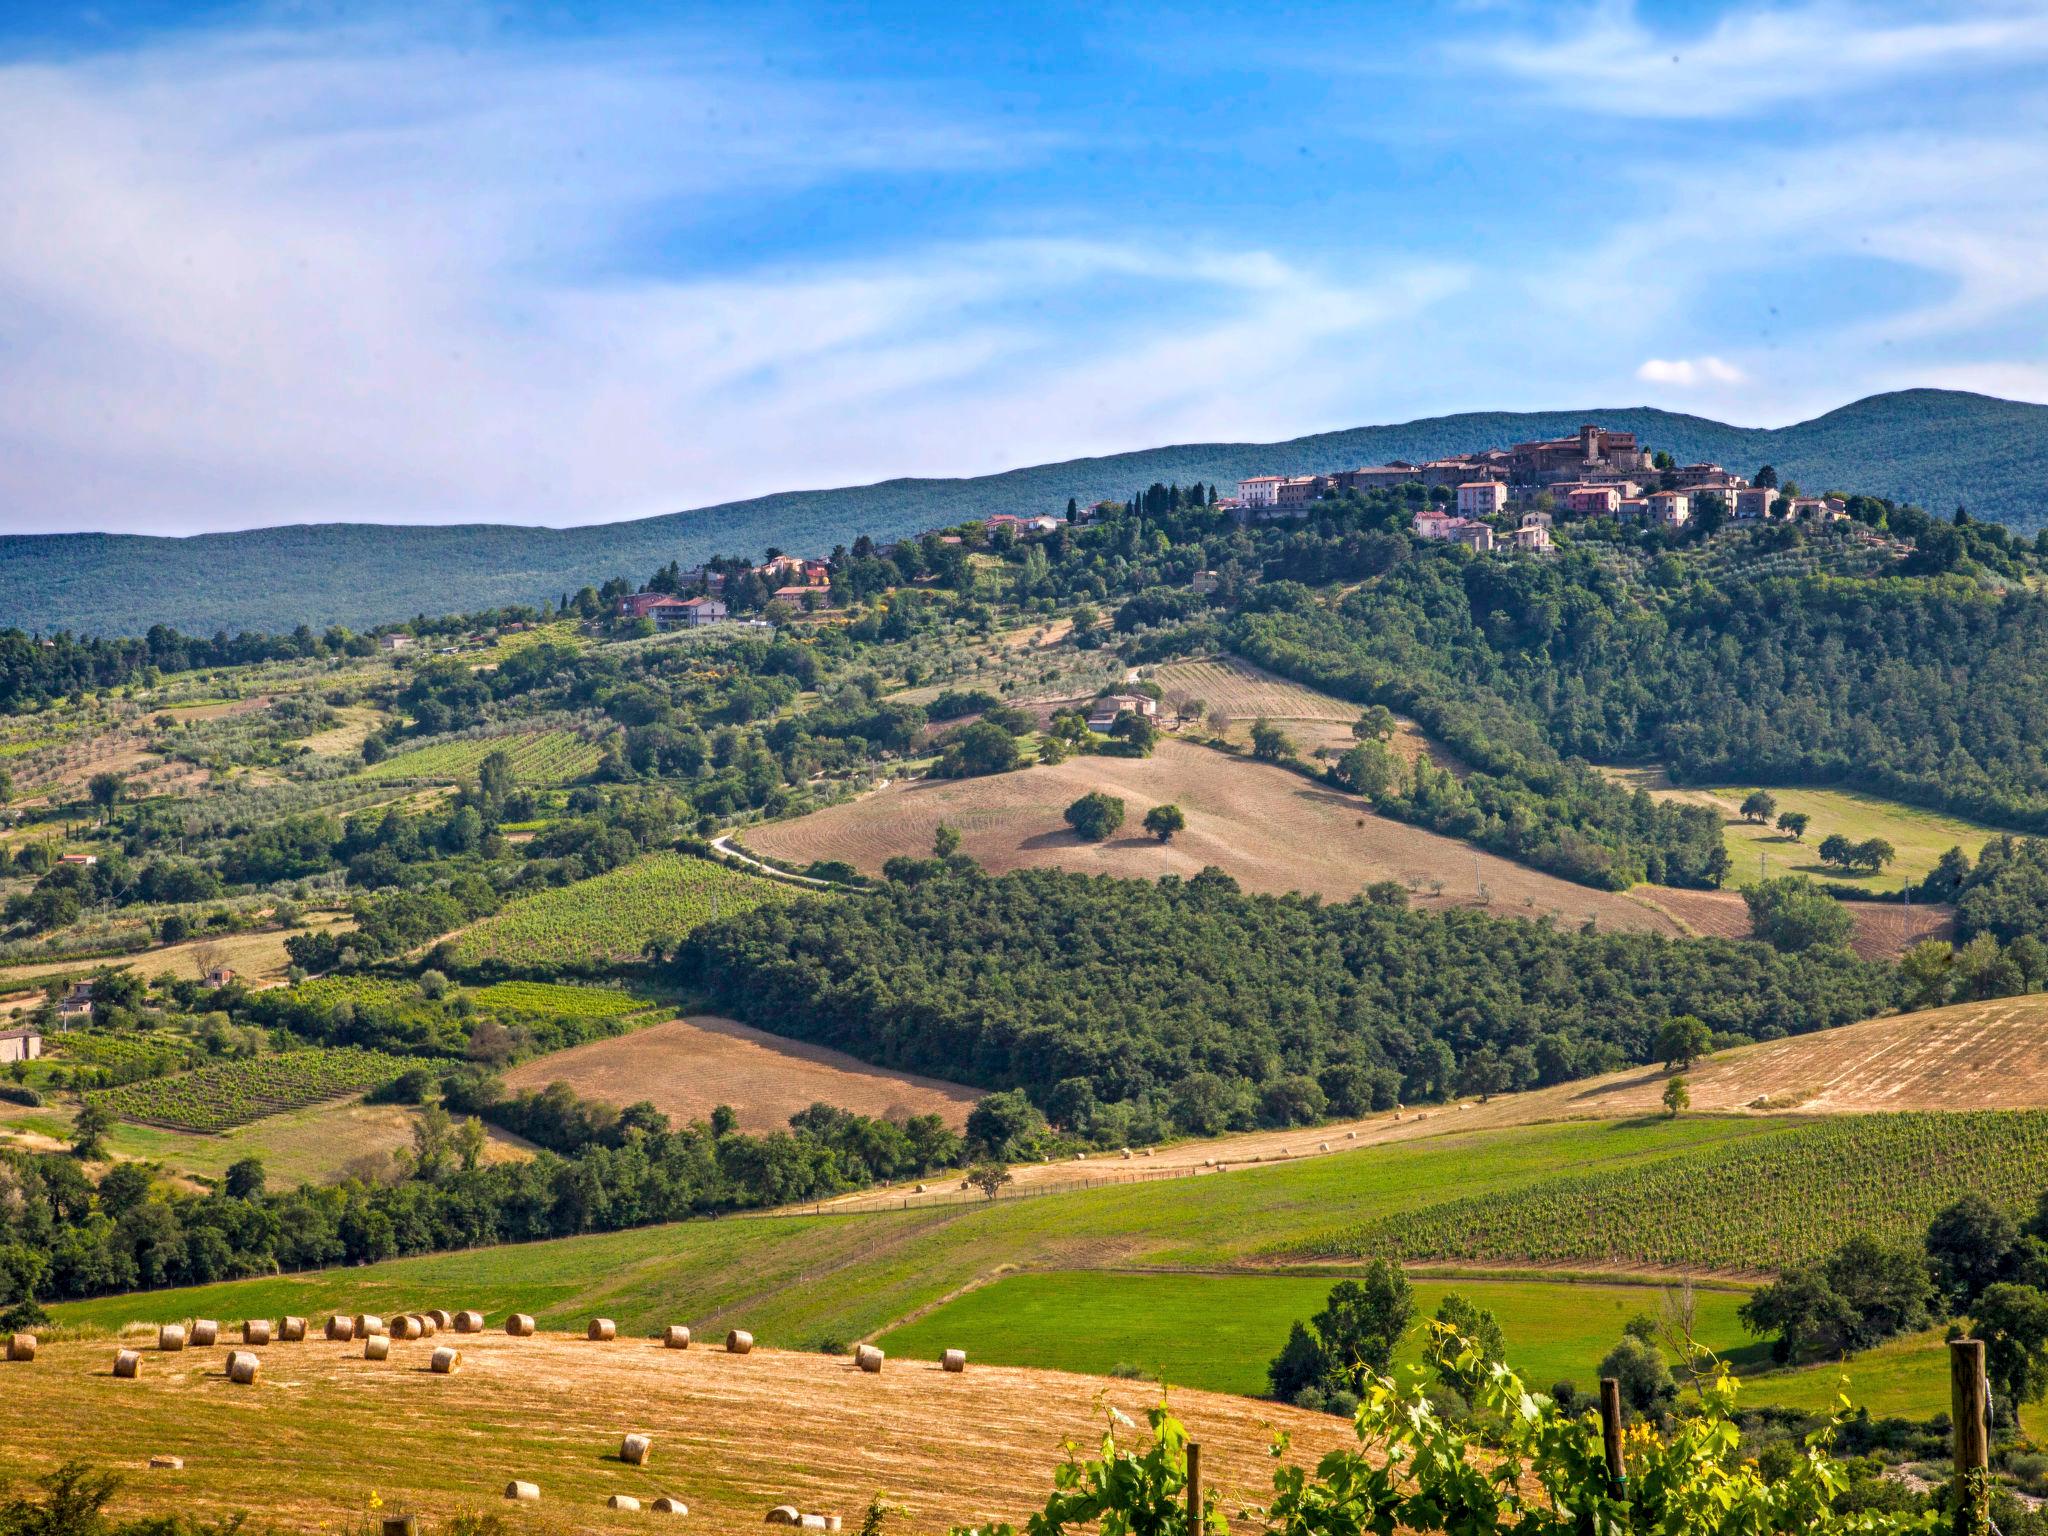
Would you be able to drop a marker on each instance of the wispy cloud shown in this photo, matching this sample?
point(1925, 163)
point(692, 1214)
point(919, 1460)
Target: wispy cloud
point(1686, 372)
point(1607, 59)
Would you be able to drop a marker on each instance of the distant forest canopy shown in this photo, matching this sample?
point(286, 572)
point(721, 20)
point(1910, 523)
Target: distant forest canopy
point(1936, 448)
point(1197, 1007)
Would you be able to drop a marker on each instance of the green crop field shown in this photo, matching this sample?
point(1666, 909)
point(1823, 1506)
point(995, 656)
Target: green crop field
point(1218, 1331)
point(1770, 1201)
point(550, 757)
point(554, 1000)
point(1921, 837)
point(593, 924)
point(218, 1098)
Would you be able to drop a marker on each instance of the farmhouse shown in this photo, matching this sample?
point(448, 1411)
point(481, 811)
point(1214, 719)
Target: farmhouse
point(394, 643)
point(220, 976)
point(649, 605)
point(23, 1044)
point(75, 1007)
point(701, 610)
point(1103, 712)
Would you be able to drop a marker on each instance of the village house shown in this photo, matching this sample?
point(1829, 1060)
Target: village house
point(1298, 491)
point(1633, 508)
point(24, 1043)
point(1670, 509)
point(703, 610)
point(1755, 502)
point(75, 1006)
point(1202, 583)
point(1433, 524)
point(82, 860)
point(1702, 479)
point(799, 596)
point(1821, 509)
point(1481, 498)
point(1378, 477)
point(394, 642)
point(647, 605)
point(1592, 500)
point(1103, 712)
point(1477, 537)
point(1260, 491)
point(790, 571)
point(1531, 538)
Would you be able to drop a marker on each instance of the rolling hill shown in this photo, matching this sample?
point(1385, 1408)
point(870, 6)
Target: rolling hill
point(1934, 447)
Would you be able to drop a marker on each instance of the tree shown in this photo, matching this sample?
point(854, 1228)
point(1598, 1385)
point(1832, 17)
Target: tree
point(1766, 478)
point(1000, 1122)
point(1924, 973)
point(945, 841)
point(989, 1178)
point(1759, 805)
point(1162, 821)
point(1366, 769)
point(1096, 816)
point(1793, 914)
point(1646, 1384)
point(1970, 1247)
point(1683, 1040)
point(469, 1140)
point(1362, 1322)
point(1873, 854)
point(1376, 724)
point(244, 1178)
point(980, 748)
point(1793, 824)
point(89, 1131)
point(1860, 1295)
point(1677, 1097)
point(1269, 743)
point(1837, 849)
point(105, 790)
point(1474, 1327)
point(2013, 1322)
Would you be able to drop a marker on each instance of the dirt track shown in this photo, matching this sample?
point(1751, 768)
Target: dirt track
point(1273, 830)
point(687, 1067)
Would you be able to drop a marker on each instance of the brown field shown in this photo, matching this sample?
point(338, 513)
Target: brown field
point(259, 958)
point(325, 1438)
point(1272, 830)
point(1317, 722)
point(1884, 930)
point(687, 1067)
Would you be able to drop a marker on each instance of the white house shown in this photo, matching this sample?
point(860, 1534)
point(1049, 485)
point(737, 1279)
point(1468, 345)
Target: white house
point(1481, 498)
point(23, 1044)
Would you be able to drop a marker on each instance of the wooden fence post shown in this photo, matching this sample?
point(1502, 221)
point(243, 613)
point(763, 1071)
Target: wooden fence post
point(1967, 1404)
point(1610, 1432)
point(1194, 1488)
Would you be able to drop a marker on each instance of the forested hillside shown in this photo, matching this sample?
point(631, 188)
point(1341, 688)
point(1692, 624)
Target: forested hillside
point(1937, 448)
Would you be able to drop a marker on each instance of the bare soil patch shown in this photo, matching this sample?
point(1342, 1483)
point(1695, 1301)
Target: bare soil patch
point(687, 1067)
point(1884, 930)
point(733, 1435)
point(1271, 829)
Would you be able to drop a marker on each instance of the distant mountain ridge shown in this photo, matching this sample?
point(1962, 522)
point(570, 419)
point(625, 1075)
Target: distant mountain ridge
point(1938, 448)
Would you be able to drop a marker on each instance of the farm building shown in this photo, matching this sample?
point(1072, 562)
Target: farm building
point(1103, 712)
point(23, 1044)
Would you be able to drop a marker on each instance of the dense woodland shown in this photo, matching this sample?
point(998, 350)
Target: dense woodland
point(1188, 1005)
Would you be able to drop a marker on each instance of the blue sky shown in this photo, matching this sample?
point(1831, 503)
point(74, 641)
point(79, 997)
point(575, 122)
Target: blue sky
point(575, 262)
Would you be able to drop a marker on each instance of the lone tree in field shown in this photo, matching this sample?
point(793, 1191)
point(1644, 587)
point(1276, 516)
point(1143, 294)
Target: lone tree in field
point(945, 841)
point(1760, 806)
point(1677, 1097)
point(89, 1131)
point(989, 1178)
point(1095, 815)
point(1682, 1041)
point(1793, 824)
point(1376, 724)
point(106, 790)
point(1269, 742)
point(1162, 821)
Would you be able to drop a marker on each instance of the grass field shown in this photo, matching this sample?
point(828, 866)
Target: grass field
point(1921, 837)
point(686, 1067)
point(324, 1432)
point(1272, 829)
point(595, 924)
point(1218, 1331)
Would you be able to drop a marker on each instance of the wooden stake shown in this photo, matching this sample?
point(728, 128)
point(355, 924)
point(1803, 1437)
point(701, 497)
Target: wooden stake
point(1194, 1488)
point(1967, 1405)
point(1610, 1432)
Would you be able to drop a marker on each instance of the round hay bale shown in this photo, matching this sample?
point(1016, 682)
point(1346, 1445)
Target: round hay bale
point(668, 1506)
point(428, 1327)
point(128, 1364)
point(1351, 1135)
point(242, 1368)
point(469, 1322)
point(256, 1331)
point(676, 1336)
point(922, 1188)
point(635, 1449)
point(603, 1330)
point(368, 1323)
point(22, 1346)
point(783, 1514)
point(954, 1360)
point(205, 1333)
point(1144, 1151)
point(814, 1522)
point(622, 1501)
point(440, 1317)
point(526, 1493)
point(170, 1338)
point(377, 1346)
point(519, 1325)
point(407, 1327)
point(340, 1329)
point(292, 1330)
point(167, 1463)
point(1322, 1146)
point(869, 1359)
point(1127, 1154)
point(1208, 1162)
point(739, 1342)
point(446, 1361)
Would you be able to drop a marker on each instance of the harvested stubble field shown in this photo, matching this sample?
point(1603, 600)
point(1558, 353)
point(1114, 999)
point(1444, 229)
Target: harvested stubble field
point(1883, 930)
point(258, 958)
point(733, 1435)
point(687, 1067)
point(1272, 829)
point(1246, 693)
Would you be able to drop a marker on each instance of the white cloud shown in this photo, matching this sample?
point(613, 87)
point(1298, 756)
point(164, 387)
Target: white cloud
point(1686, 372)
point(1606, 59)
